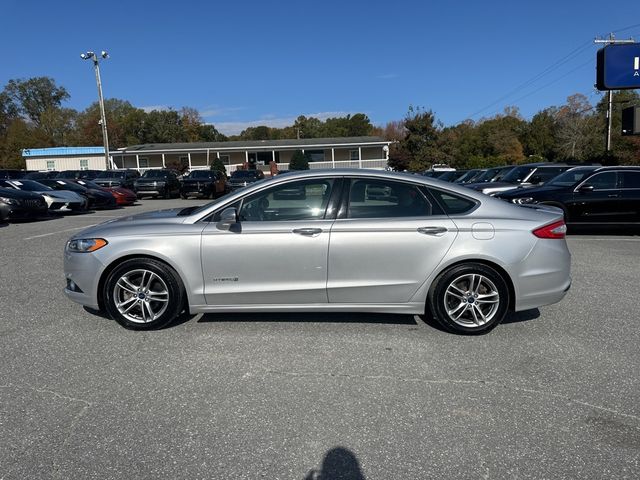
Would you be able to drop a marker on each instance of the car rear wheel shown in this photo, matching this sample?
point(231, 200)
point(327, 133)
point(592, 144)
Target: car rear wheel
point(470, 298)
point(143, 294)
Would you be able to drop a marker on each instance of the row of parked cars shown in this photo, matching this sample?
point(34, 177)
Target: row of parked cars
point(33, 194)
point(587, 194)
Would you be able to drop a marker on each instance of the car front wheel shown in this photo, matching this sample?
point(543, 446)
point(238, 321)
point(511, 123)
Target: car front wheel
point(143, 294)
point(470, 298)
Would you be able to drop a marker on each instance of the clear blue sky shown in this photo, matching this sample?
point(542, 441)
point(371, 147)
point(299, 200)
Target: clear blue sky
point(247, 62)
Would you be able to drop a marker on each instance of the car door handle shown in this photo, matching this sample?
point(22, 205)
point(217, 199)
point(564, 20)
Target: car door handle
point(308, 232)
point(432, 230)
point(614, 195)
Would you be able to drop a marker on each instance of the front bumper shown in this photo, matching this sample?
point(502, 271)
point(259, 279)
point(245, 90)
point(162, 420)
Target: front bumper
point(199, 190)
point(20, 211)
point(85, 270)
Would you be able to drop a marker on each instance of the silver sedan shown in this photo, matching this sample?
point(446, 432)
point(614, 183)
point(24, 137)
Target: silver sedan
point(338, 240)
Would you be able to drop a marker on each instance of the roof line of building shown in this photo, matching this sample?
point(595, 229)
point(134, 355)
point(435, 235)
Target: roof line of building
point(125, 150)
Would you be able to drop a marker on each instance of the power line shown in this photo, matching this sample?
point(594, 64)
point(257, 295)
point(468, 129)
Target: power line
point(553, 81)
point(626, 28)
point(554, 66)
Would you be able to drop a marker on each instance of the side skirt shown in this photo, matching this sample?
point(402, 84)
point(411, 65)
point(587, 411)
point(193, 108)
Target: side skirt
point(400, 308)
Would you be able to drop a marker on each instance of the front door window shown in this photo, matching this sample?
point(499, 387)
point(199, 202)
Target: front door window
point(302, 200)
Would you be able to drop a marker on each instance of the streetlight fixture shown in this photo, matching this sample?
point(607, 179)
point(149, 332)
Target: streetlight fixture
point(103, 119)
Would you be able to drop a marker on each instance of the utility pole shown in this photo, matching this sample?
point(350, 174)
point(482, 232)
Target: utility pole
point(103, 119)
point(609, 41)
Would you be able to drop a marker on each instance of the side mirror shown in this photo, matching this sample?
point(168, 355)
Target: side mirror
point(586, 189)
point(228, 217)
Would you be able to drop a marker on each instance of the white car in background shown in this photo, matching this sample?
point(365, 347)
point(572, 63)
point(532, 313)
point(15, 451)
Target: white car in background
point(56, 199)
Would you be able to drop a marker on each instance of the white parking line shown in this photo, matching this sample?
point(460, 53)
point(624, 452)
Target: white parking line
point(92, 216)
point(607, 239)
point(60, 231)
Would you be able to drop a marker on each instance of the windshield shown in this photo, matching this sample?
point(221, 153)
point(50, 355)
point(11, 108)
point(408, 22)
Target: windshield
point(244, 174)
point(89, 184)
point(29, 185)
point(518, 174)
point(199, 174)
point(64, 185)
point(570, 177)
point(467, 176)
point(111, 174)
point(154, 174)
point(487, 176)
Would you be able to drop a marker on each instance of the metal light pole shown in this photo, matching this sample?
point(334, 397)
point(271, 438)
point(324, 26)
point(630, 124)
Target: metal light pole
point(103, 119)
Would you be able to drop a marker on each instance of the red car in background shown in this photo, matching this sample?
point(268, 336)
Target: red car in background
point(123, 196)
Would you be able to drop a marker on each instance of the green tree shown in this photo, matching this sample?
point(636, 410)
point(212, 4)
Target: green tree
point(540, 136)
point(35, 95)
point(299, 161)
point(163, 126)
point(218, 166)
point(20, 135)
point(419, 148)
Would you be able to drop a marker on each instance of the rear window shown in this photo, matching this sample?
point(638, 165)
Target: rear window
point(452, 203)
point(630, 179)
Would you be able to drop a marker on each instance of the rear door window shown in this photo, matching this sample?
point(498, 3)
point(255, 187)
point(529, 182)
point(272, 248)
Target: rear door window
point(453, 204)
point(374, 198)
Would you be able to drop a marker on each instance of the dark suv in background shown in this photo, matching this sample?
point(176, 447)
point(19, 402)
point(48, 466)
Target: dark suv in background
point(157, 183)
point(242, 178)
point(79, 174)
point(203, 183)
point(117, 178)
point(588, 195)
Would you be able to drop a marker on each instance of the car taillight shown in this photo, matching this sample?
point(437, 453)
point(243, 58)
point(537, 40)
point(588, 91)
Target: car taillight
point(553, 230)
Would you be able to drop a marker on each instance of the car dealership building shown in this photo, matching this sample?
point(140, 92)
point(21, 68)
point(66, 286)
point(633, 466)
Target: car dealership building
point(345, 152)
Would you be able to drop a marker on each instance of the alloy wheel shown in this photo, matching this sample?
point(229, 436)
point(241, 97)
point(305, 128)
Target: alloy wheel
point(141, 296)
point(471, 300)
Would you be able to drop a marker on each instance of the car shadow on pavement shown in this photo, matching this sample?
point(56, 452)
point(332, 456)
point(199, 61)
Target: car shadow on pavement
point(523, 316)
point(320, 317)
point(338, 463)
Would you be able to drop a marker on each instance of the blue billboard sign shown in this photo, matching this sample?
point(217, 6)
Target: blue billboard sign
point(618, 67)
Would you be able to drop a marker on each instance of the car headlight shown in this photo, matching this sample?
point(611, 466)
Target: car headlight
point(522, 200)
point(10, 201)
point(85, 245)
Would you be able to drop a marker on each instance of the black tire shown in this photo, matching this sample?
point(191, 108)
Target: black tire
point(174, 288)
point(184, 197)
point(471, 309)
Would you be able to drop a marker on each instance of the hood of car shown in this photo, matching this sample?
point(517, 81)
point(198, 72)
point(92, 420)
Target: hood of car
point(146, 223)
point(19, 194)
point(61, 194)
point(148, 181)
point(191, 181)
point(243, 180)
point(527, 192)
point(109, 181)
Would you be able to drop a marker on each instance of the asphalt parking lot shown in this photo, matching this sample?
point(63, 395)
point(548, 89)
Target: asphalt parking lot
point(550, 393)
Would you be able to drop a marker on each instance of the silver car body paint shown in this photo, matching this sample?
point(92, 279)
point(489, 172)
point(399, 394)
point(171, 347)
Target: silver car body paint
point(372, 265)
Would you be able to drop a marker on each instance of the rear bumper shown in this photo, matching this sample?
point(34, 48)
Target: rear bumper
point(544, 276)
